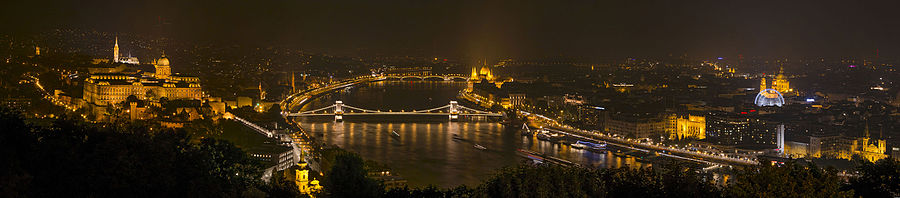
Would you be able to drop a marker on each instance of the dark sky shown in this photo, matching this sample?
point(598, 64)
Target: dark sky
point(494, 28)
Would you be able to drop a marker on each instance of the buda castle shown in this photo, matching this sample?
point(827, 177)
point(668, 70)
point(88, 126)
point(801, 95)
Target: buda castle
point(110, 86)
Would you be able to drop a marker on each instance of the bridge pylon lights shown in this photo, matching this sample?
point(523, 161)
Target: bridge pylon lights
point(454, 110)
point(338, 110)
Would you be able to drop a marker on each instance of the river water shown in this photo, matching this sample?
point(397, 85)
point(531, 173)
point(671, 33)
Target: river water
point(425, 153)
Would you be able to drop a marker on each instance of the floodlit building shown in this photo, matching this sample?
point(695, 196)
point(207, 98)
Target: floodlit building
point(762, 84)
point(688, 126)
point(123, 59)
point(305, 183)
point(781, 83)
point(484, 73)
point(794, 149)
point(842, 147)
point(107, 86)
point(517, 99)
point(110, 88)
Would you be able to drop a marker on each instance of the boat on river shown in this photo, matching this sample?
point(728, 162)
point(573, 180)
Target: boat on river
point(479, 147)
point(586, 144)
point(395, 135)
point(580, 146)
point(551, 137)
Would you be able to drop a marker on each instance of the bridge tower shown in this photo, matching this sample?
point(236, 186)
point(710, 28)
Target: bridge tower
point(338, 110)
point(454, 110)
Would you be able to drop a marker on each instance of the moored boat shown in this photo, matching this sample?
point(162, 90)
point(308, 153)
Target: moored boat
point(457, 137)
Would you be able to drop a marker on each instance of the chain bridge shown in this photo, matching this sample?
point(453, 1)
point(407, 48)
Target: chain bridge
point(339, 110)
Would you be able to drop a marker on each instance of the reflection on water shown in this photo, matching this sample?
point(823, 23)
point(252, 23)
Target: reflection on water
point(426, 152)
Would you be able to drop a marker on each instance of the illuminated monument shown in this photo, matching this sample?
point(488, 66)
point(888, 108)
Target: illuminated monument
point(779, 83)
point(690, 126)
point(116, 51)
point(117, 58)
point(163, 71)
point(769, 97)
point(484, 73)
point(844, 147)
point(762, 84)
point(868, 148)
point(109, 86)
point(478, 75)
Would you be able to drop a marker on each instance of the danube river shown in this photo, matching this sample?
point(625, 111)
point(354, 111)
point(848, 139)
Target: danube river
point(426, 152)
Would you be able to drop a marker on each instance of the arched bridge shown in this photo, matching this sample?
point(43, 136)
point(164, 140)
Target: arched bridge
point(339, 110)
point(445, 77)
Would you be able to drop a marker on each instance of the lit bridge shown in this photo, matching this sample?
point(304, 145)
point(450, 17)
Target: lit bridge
point(445, 77)
point(339, 110)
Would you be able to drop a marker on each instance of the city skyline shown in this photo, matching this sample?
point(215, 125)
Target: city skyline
point(464, 98)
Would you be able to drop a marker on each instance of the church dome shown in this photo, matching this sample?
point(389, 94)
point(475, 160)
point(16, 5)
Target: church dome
point(769, 97)
point(163, 61)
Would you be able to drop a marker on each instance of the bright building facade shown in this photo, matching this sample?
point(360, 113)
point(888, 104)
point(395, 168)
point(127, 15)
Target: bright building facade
point(689, 127)
point(103, 89)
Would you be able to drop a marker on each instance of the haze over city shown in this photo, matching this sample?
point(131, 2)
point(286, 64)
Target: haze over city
point(493, 28)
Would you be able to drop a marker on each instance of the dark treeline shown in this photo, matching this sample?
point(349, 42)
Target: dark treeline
point(69, 158)
point(790, 180)
point(346, 178)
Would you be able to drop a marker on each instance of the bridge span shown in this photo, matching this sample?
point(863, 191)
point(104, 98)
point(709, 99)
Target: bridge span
point(339, 110)
point(445, 77)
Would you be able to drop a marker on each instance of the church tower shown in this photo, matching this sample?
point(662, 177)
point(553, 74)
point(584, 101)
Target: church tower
point(116, 51)
point(762, 84)
point(262, 93)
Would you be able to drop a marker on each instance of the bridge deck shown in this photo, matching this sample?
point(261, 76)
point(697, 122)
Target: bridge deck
point(395, 113)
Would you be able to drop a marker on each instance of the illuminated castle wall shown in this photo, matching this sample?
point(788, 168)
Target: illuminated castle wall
point(115, 86)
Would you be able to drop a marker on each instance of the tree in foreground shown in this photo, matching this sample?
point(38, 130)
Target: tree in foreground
point(879, 179)
point(347, 177)
point(788, 180)
point(554, 181)
point(72, 159)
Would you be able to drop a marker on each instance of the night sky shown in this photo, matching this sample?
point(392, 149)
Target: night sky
point(492, 28)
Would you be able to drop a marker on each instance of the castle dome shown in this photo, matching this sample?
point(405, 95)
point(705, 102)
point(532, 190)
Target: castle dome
point(163, 61)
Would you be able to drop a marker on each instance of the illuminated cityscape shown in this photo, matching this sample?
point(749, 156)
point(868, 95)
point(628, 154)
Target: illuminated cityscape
point(450, 99)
